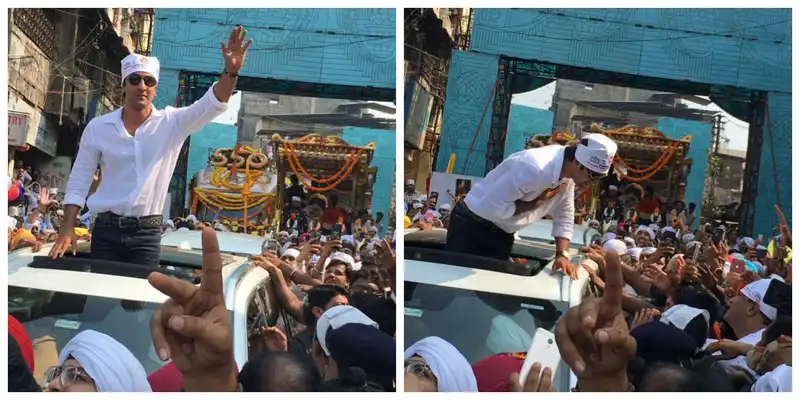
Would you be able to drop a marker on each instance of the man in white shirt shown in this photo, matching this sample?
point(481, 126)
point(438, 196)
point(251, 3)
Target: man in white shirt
point(137, 147)
point(748, 315)
point(525, 187)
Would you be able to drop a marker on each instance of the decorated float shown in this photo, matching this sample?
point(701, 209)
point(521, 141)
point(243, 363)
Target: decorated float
point(326, 165)
point(238, 187)
point(647, 157)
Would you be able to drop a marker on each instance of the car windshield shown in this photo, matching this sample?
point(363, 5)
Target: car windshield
point(480, 324)
point(64, 315)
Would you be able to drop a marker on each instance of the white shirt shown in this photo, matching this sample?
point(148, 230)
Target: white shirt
point(777, 380)
point(136, 169)
point(524, 176)
point(741, 361)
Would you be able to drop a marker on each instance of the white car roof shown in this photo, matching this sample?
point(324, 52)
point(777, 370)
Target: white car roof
point(87, 283)
point(540, 286)
point(229, 242)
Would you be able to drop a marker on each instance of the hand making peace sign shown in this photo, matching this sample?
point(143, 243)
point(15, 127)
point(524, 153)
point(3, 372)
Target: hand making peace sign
point(236, 50)
point(193, 326)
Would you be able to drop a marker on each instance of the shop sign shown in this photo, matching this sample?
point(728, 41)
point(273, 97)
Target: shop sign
point(46, 137)
point(17, 128)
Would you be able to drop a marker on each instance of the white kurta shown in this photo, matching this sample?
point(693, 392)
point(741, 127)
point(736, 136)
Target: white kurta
point(525, 175)
point(136, 168)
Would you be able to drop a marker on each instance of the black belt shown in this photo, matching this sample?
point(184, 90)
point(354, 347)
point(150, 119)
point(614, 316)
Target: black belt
point(118, 221)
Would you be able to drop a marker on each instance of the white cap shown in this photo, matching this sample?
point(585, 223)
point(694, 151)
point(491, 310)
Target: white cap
point(609, 236)
point(348, 238)
point(681, 315)
point(612, 187)
point(616, 245)
point(635, 252)
point(192, 218)
point(60, 213)
point(445, 206)
point(598, 156)
point(647, 251)
point(422, 198)
point(749, 242)
point(337, 317)
point(410, 182)
point(296, 199)
point(138, 63)
point(374, 229)
point(629, 241)
point(343, 257)
point(667, 229)
point(756, 291)
point(687, 238)
point(290, 253)
point(416, 204)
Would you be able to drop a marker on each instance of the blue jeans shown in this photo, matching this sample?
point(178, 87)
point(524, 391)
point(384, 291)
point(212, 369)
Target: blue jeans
point(130, 245)
point(471, 234)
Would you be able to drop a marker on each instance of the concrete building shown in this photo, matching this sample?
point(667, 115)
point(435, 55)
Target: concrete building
point(430, 36)
point(569, 93)
point(728, 187)
point(263, 114)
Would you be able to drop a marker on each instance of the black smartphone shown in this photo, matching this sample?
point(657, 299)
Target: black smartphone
point(718, 236)
point(779, 295)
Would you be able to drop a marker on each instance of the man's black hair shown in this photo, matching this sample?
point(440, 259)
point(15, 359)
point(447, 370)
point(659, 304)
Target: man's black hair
point(569, 151)
point(320, 296)
point(279, 372)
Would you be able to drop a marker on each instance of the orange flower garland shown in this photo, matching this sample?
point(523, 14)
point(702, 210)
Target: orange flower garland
point(664, 158)
point(291, 152)
point(655, 170)
point(345, 172)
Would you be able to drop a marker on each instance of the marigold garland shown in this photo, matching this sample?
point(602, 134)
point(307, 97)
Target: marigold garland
point(229, 201)
point(309, 186)
point(291, 153)
point(662, 159)
point(649, 175)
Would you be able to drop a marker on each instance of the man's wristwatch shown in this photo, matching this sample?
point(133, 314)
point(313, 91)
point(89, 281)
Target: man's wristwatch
point(562, 253)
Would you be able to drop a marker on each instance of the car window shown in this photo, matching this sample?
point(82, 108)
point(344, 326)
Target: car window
point(63, 315)
point(479, 324)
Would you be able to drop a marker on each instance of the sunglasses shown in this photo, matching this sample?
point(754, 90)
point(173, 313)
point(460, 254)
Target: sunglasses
point(67, 375)
point(136, 79)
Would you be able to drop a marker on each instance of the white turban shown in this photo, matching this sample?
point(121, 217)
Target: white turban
point(138, 63)
point(453, 371)
point(616, 245)
point(290, 253)
point(112, 366)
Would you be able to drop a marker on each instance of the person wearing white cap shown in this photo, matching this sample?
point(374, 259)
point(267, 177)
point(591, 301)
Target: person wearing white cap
point(137, 147)
point(748, 315)
point(610, 209)
point(411, 192)
point(524, 188)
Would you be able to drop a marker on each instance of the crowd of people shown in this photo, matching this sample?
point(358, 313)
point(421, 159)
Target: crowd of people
point(678, 305)
point(343, 312)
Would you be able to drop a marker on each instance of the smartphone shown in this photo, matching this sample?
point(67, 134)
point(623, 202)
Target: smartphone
point(719, 234)
point(737, 266)
point(761, 253)
point(323, 239)
point(543, 350)
point(760, 238)
point(337, 228)
point(696, 253)
point(272, 245)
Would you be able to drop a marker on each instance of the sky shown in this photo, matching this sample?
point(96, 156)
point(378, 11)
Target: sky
point(735, 130)
point(231, 116)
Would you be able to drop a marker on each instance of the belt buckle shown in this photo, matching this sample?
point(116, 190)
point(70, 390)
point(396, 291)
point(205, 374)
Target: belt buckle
point(128, 222)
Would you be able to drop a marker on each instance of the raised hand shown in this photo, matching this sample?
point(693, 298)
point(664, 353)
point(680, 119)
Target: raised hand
point(44, 199)
point(593, 337)
point(786, 234)
point(236, 50)
point(193, 327)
